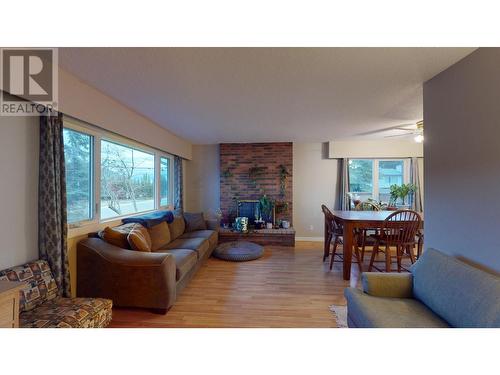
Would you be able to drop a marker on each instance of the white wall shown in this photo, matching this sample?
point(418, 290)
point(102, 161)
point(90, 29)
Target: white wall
point(462, 159)
point(18, 190)
point(202, 179)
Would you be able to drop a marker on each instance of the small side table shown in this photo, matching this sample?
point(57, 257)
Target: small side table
point(9, 303)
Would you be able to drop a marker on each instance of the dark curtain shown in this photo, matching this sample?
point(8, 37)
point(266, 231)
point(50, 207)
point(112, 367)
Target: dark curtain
point(344, 202)
point(415, 198)
point(178, 185)
point(52, 221)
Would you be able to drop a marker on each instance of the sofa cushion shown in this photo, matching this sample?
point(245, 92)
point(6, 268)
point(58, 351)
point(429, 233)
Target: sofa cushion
point(139, 239)
point(194, 221)
point(210, 235)
point(40, 285)
point(160, 235)
point(117, 236)
point(177, 227)
point(185, 260)
point(366, 311)
point(69, 313)
point(462, 295)
point(199, 245)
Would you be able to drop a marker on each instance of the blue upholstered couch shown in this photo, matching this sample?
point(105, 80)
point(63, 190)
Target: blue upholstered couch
point(440, 291)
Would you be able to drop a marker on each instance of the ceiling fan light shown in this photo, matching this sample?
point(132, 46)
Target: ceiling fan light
point(419, 138)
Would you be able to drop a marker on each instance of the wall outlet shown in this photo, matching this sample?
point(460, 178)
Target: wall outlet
point(311, 227)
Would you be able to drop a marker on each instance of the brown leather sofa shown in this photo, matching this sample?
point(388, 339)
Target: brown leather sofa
point(144, 279)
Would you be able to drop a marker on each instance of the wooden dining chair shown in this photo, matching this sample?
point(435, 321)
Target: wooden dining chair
point(399, 230)
point(363, 234)
point(335, 231)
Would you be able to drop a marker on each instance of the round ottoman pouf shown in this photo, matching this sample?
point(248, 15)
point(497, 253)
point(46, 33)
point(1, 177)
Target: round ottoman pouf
point(238, 251)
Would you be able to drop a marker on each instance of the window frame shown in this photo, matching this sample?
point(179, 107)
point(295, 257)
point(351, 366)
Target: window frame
point(98, 135)
point(92, 218)
point(375, 174)
point(170, 204)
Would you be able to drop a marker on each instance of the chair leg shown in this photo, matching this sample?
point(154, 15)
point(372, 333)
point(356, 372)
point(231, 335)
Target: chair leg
point(328, 241)
point(410, 252)
point(360, 261)
point(363, 245)
point(335, 244)
point(387, 258)
point(374, 253)
point(399, 255)
point(420, 245)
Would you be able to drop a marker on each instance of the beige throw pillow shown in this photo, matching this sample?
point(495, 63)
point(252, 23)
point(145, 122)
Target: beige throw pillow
point(160, 235)
point(139, 238)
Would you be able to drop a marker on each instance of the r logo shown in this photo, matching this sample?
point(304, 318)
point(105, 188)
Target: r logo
point(29, 75)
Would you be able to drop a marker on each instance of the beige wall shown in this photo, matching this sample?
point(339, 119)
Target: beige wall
point(19, 190)
point(384, 148)
point(82, 101)
point(462, 159)
point(316, 179)
point(19, 164)
point(314, 183)
point(202, 179)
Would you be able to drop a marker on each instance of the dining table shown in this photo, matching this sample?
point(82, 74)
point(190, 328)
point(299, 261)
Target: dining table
point(357, 220)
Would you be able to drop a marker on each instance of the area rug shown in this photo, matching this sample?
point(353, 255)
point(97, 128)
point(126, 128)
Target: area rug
point(340, 314)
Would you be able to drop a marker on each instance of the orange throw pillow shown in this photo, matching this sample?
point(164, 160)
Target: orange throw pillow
point(139, 238)
point(117, 236)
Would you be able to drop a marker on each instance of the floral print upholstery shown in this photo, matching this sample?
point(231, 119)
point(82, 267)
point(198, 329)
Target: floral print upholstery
point(40, 306)
point(40, 284)
point(69, 313)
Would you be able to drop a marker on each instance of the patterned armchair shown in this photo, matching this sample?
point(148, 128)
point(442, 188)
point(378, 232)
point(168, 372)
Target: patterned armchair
point(41, 307)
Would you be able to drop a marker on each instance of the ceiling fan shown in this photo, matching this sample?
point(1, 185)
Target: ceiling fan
point(406, 130)
point(413, 129)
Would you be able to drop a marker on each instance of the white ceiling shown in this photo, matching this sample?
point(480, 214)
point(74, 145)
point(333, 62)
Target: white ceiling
point(212, 95)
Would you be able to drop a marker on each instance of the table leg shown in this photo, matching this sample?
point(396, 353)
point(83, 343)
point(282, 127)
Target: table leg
point(348, 242)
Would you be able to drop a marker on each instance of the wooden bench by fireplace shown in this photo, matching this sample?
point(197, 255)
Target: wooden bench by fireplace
point(278, 237)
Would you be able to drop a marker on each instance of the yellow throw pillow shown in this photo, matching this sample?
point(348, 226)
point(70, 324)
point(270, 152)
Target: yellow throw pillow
point(139, 239)
point(160, 235)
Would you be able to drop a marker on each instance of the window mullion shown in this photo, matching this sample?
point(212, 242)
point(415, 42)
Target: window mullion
point(97, 176)
point(157, 178)
point(376, 194)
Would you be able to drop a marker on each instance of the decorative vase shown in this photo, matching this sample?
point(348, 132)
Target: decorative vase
point(269, 225)
point(241, 224)
point(285, 224)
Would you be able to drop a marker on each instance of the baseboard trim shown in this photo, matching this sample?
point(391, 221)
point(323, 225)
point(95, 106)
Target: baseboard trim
point(310, 239)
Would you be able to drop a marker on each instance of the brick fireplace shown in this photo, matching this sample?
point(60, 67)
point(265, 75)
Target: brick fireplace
point(250, 170)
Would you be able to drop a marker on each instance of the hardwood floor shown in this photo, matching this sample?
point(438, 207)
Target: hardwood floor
point(287, 287)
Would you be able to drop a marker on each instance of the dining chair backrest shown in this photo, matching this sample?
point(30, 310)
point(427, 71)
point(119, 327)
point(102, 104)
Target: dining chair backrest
point(330, 220)
point(366, 206)
point(401, 226)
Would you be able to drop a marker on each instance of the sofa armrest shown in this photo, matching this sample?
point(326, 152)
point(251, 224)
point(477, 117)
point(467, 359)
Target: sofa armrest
point(130, 278)
point(394, 285)
point(213, 224)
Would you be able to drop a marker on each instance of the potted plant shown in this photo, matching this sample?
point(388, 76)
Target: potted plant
point(266, 208)
point(401, 192)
